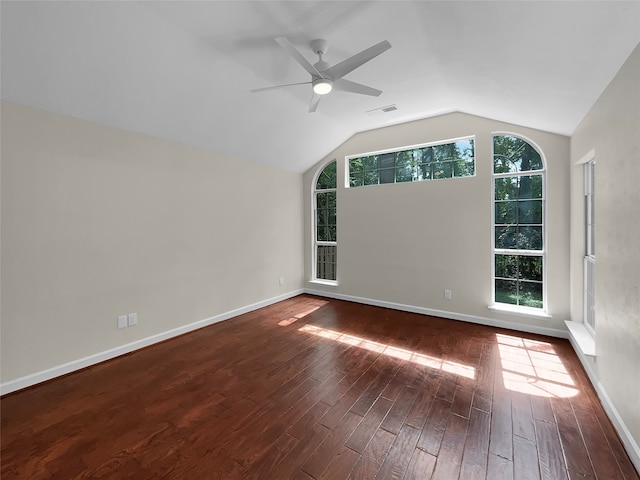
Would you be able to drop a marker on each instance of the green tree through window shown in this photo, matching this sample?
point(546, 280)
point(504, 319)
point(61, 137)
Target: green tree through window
point(429, 162)
point(325, 213)
point(518, 223)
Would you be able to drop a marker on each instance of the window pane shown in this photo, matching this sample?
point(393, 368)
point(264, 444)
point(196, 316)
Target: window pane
point(530, 211)
point(506, 266)
point(424, 171)
point(404, 166)
point(370, 163)
point(530, 268)
point(356, 165)
point(326, 200)
point(506, 188)
point(505, 212)
point(322, 216)
point(356, 179)
point(442, 170)
point(512, 154)
point(529, 238)
point(321, 200)
point(387, 160)
point(505, 237)
point(507, 291)
point(463, 168)
point(404, 173)
point(327, 179)
point(325, 216)
point(427, 155)
point(371, 177)
point(326, 262)
point(447, 152)
point(530, 186)
point(387, 175)
point(466, 149)
point(331, 199)
point(322, 233)
point(405, 158)
point(592, 225)
point(531, 294)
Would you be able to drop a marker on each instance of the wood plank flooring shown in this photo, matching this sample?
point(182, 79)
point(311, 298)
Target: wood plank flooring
point(312, 388)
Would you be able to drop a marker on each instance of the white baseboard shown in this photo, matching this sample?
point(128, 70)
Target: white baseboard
point(38, 377)
point(630, 444)
point(552, 332)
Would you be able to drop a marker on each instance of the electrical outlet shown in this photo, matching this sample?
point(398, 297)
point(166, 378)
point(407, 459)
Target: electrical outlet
point(447, 294)
point(122, 321)
point(132, 319)
point(281, 281)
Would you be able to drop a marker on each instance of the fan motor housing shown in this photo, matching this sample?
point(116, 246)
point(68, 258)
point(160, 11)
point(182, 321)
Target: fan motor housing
point(319, 46)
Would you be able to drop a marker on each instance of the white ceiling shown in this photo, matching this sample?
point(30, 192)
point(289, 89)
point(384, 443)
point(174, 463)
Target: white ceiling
point(182, 70)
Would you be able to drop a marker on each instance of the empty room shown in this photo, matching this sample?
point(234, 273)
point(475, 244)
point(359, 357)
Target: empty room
point(320, 240)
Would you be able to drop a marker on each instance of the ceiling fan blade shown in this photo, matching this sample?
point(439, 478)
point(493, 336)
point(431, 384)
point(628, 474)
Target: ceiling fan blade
point(350, 64)
point(297, 56)
point(353, 87)
point(256, 90)
point(315, 100)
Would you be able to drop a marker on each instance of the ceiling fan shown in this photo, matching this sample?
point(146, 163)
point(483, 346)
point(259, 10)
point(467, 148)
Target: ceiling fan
point(324, 78)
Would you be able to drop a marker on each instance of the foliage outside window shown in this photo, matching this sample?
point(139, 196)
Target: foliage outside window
point(428, 162)
point(518, 222)
point(325, 235)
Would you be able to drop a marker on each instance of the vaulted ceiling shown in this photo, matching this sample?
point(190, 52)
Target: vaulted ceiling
point(183, 71)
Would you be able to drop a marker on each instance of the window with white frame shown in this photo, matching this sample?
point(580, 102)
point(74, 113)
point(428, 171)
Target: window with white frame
point(415, 164)
point(518, 236)
point(325, 225)
point(589, 247)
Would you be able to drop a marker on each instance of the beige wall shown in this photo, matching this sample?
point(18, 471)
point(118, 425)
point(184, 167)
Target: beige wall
point(407, 243)
point(98, 222)
point(612, 130)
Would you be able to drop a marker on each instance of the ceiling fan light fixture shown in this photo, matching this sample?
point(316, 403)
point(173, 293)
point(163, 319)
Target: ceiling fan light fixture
point(322, 86)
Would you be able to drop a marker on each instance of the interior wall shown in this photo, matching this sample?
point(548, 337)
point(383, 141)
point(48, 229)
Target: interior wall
point(98, 222)
point(406, 243)
point(611, 129)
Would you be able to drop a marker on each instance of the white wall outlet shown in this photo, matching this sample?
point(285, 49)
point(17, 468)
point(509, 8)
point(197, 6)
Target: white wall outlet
point(132, 319)
point(122, 321)
point(281, 281)
point(447, 294)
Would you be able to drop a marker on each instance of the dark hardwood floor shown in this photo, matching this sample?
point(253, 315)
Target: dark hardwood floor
point(312, 388)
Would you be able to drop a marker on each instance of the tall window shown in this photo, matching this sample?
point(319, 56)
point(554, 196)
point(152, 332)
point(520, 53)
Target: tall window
point(590, 247)
point(518, 223)
point(324, 204)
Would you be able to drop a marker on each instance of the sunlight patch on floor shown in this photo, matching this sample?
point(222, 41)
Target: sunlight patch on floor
point(298, 316)
point(532, 367)
point(391, 351)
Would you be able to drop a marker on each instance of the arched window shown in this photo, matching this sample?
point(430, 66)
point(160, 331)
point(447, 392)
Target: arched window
point(325, 233)
point(518, 201)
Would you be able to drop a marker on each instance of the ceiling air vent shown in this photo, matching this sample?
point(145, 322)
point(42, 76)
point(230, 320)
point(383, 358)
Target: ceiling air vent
point(381, 110)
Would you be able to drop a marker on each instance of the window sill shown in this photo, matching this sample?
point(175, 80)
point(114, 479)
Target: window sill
point(520, 311)
point(581, 336)
point(328, 283)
